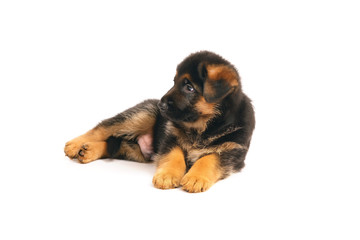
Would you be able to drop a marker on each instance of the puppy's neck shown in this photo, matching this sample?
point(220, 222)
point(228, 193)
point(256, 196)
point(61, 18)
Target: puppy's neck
point(198, 126)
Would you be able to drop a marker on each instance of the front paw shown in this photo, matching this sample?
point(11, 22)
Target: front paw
point(167, 180)
point(195, 184)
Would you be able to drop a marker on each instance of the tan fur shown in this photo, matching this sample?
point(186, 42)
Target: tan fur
point(207, 111)
point(186, 75)
point(139, 124)
point(199, 125)
point(195, 153)
point(203, 174)
point(204, 153)
point(217, 72)
point(91, 151)
point(205, 108)
point(228, 79)
point(170, 128)
point(132, 152)
point(170, 170)
point(73, 147)
point(196, 149)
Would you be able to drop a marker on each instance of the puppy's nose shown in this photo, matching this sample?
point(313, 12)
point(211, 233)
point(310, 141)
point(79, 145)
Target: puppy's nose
point(163, 106)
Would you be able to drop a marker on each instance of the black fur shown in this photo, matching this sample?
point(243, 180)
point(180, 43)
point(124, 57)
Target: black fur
point(204, 113)
point(235, 123)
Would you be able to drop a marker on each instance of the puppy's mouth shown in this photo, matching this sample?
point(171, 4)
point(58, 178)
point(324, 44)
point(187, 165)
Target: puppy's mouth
point(177, 119)
point(166, 113)
point(176, 115)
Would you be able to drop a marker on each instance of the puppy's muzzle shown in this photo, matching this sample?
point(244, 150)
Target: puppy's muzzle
point(164, 105)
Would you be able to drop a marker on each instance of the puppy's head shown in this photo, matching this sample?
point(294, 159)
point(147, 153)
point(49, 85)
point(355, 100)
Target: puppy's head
point(202, 81)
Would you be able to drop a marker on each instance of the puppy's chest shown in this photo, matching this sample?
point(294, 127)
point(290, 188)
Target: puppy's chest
point(193, 154)
point(195, 147)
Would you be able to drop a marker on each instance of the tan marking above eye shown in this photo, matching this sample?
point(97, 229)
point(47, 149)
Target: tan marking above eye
point(184, 76)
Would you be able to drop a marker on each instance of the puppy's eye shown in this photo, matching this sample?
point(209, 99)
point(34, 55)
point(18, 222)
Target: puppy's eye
point(188, 86)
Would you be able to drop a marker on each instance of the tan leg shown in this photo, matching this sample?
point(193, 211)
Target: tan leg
point(131, 151)
point(203, 174)
point(92, 151)
point(76, 148)
point(171, 168)
point(129, 125)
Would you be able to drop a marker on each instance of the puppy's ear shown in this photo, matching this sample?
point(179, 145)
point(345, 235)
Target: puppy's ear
point(202, 70)
point(219, 81)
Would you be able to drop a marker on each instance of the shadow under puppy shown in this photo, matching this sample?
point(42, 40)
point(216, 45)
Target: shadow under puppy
point(198, 133)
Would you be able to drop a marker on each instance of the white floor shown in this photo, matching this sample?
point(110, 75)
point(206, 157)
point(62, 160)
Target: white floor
point(66, 66)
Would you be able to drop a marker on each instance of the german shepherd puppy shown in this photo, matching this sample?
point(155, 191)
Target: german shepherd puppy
point(198, 133)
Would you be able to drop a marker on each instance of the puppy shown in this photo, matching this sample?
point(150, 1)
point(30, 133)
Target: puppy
point(198, 133)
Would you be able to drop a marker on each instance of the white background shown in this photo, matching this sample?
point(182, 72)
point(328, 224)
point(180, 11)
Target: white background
point(66, 65)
